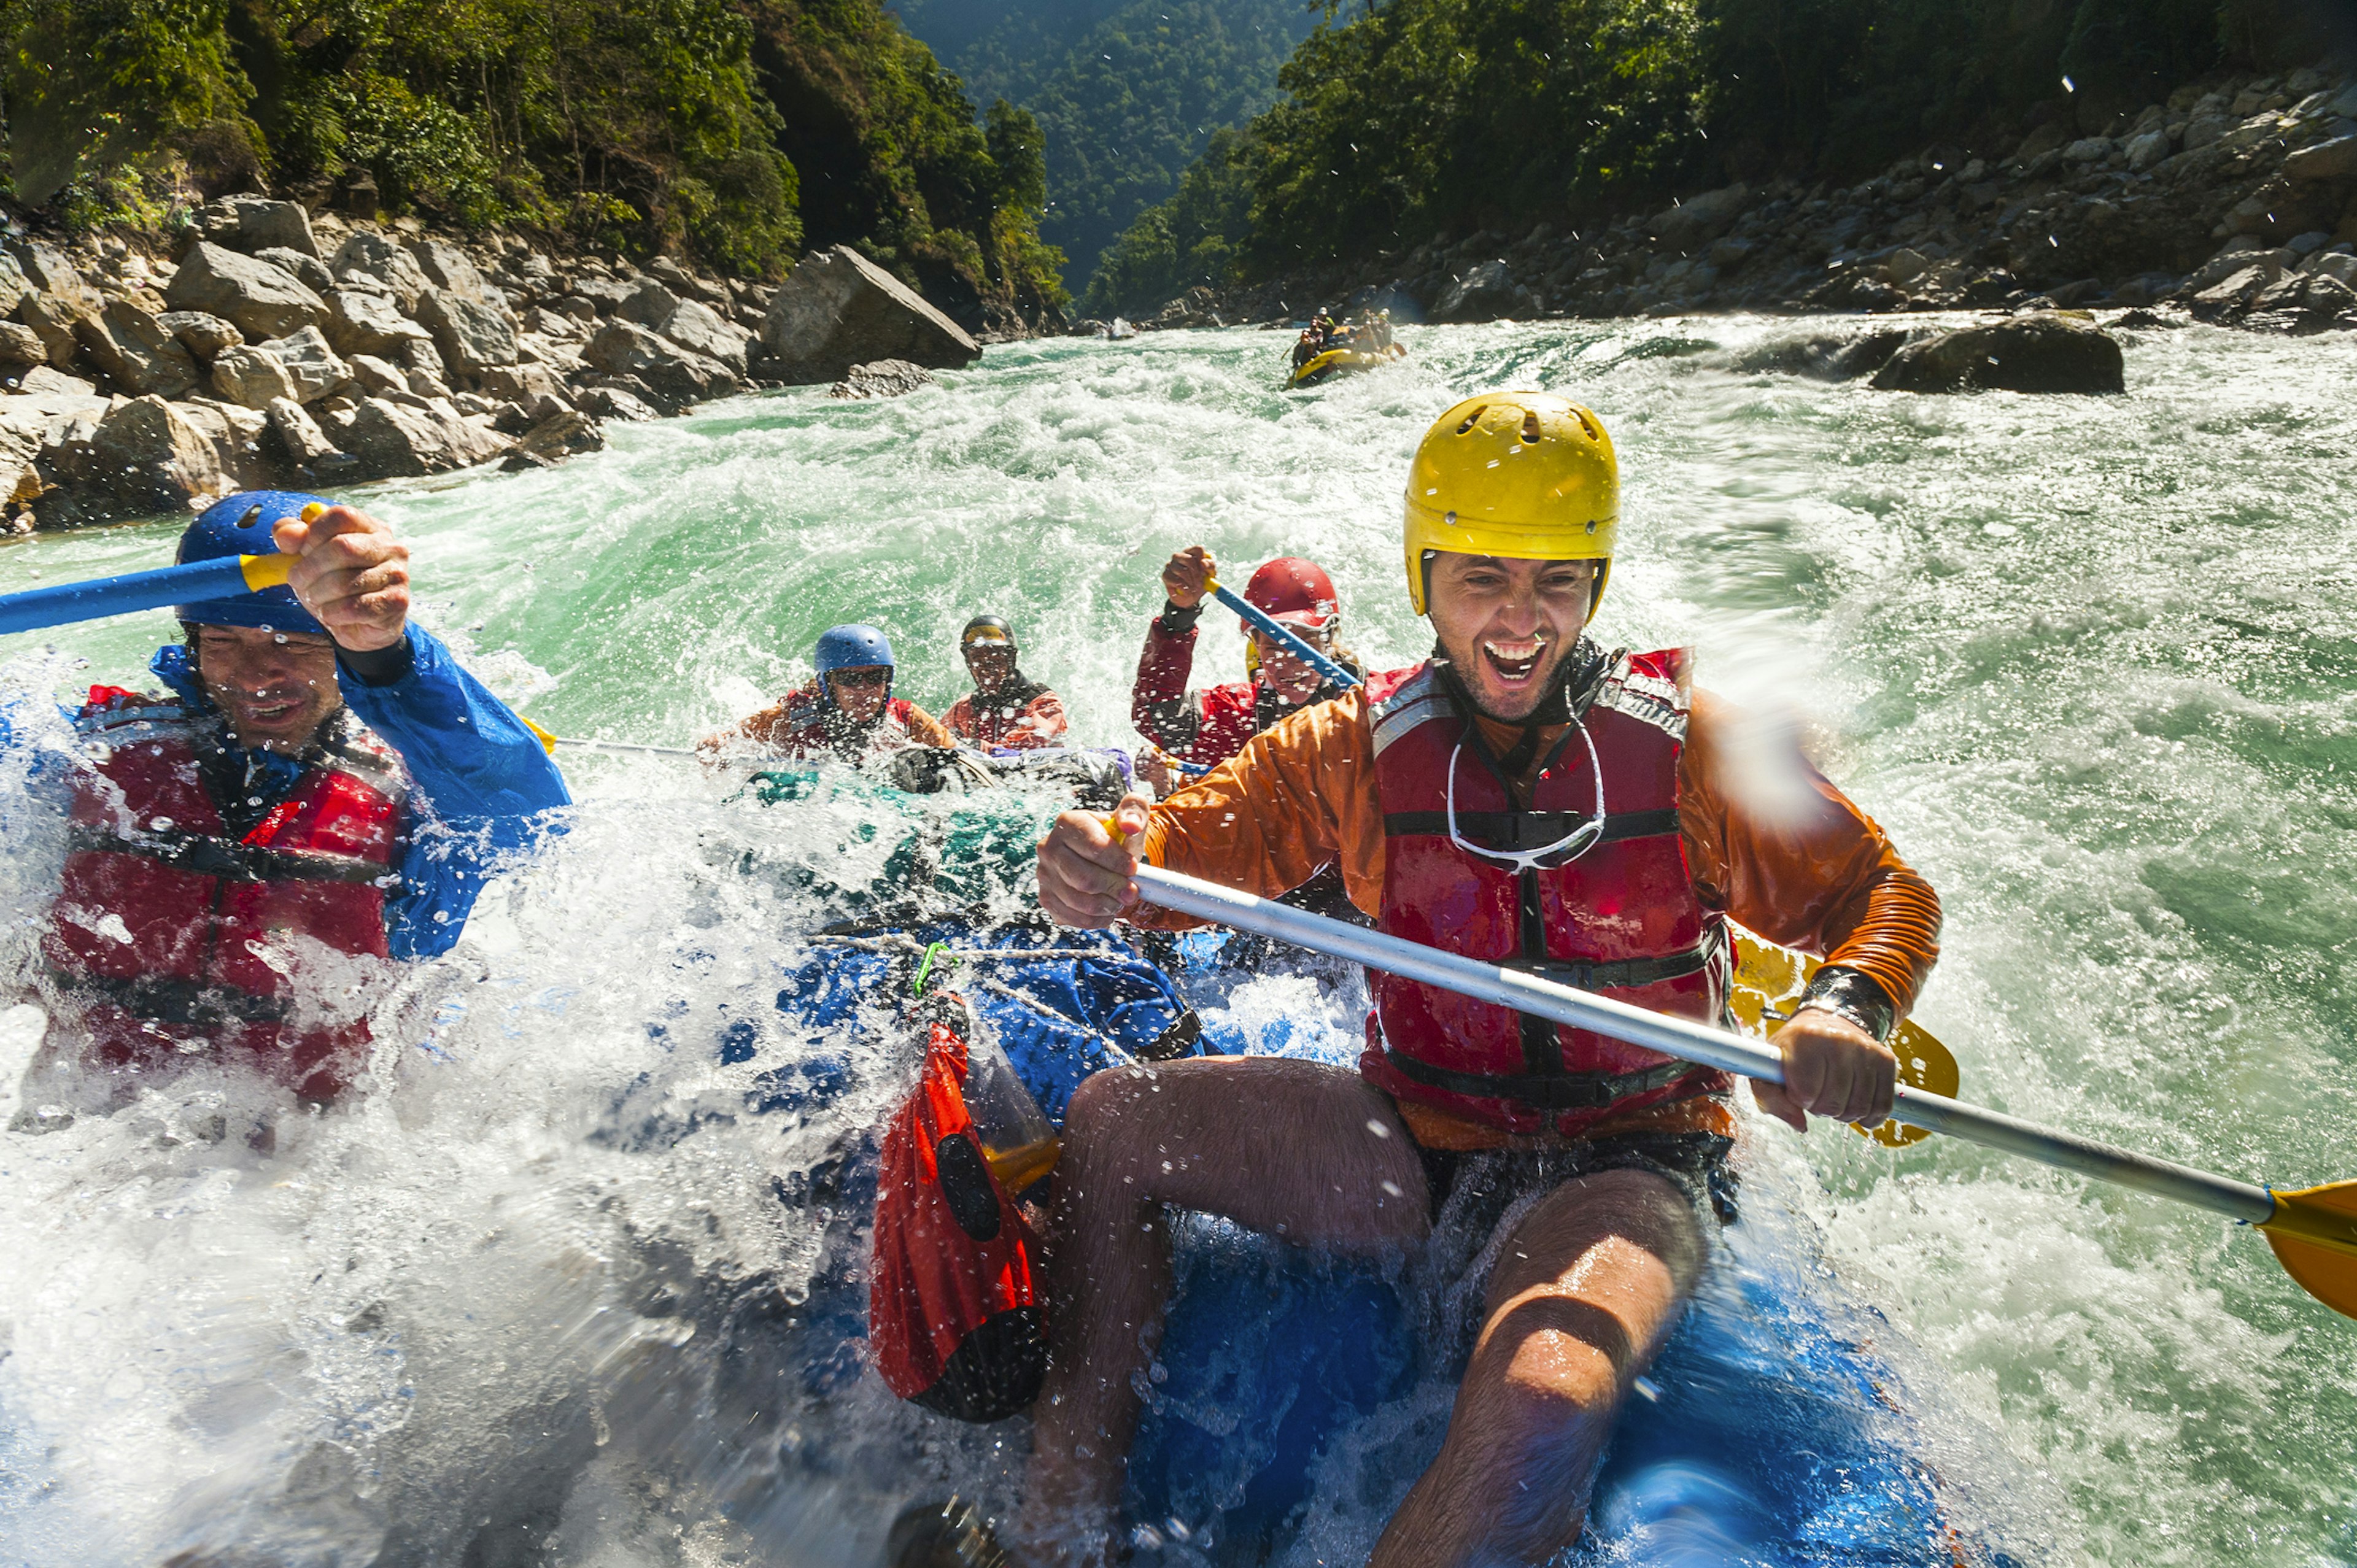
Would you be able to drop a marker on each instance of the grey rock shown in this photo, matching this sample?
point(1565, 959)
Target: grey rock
point(1829, 357)
point(1484, 291)
point(236, 436)
point(46, 270)
point(885, 378)
point(52, 318)
point(372, 255)
point(676, 375)
point(680, 281)
point(2230, 296)
point(262, 300)
point(143, 458)
point(2332, 160)
point(378, 378)
point(200, 332)
point(2147, 151)
point(693, 326)
point(256, 223)
point(2043, 352)
point(519, 383)
point(20, 345)
point(562, 435)
point(2339, 266)
point(2090, 150)
point(448, 268)
point(421, 361)
point(604, 297)
point(251, 377)
point(2204, 129)
point(391, 440)
point(310, 363)
point(310, 271)
point(1695, 223)
point(300, 437)
point(610, 401)
point(2270, 264)
point(2302, 303)
point(14, 285)
point(137, 352)
point(838, 309)
point(24, 434)
point(2146, 288)
point(473, 334)
point(362, 322)
point(61, 391)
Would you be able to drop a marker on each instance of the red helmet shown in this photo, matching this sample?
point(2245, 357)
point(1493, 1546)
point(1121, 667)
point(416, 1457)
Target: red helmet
point(1293, 590)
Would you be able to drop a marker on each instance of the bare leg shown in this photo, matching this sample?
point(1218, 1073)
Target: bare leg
point(1290, 1148)
point(1581, 1298)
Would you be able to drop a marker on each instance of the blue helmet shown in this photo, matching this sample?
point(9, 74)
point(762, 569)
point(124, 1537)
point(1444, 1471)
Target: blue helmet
point(852, 647)
point(240, 525)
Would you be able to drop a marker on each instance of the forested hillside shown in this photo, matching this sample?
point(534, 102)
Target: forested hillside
point(1128, 94)
point(1404, 119)
point(738, 131)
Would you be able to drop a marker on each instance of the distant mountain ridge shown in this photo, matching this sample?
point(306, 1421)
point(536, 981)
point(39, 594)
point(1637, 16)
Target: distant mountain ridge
point(1127, 92)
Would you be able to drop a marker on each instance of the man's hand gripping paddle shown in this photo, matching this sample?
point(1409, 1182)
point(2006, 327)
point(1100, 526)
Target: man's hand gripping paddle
point(2313, 1231)
point(1254, 616)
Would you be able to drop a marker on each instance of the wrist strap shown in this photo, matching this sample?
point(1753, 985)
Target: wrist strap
point(1175, 622)
point(1854, 994)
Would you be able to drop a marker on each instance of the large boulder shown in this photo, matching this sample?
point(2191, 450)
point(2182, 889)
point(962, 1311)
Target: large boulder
point(45, 269)
point(393, 440)
point(14, 285)
point(236, 435)
point(838, 309)
point(137, 352)
point(24, 434)
point(473, 334)
point(1690, 225)
point(1485, 292)
point(52, 318)
point(301, 440)
point(21, 346)
point(677, 375)
point(370, 255)
point(691, 325)
point(2332, 160)
point(253, 223)
point(363, 321)
point(200, 332)
point(309, 270)
point(2044, 351)
point(262, 300)
point(446, 268)
point(251, 377)
point(2302, 303)
point(143, 458)
point(310, 363)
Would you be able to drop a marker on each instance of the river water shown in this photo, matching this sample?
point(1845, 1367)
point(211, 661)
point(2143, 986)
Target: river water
point(2092, 661)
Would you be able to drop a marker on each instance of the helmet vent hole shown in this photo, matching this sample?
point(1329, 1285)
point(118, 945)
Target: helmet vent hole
point(1530, 427)
point(1469, 418)
point(1589, 425)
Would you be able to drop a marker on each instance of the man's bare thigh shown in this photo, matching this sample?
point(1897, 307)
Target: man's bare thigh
point(1291, 1148)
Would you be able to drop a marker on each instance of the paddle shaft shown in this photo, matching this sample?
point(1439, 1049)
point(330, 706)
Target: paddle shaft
point(625, 747)
point(36, 608)
point(1254, 616)
point(1690, 1041)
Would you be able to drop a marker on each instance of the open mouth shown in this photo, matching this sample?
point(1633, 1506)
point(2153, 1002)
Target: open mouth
point(1516, 664)
point(270, 712)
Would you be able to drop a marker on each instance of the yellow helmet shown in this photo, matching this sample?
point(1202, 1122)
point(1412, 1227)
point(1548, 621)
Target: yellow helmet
point(1524, 475)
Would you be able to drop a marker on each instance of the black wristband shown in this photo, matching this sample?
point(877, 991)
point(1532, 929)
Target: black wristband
point(379, 666)
point(1174, 620)
point(1854, 994)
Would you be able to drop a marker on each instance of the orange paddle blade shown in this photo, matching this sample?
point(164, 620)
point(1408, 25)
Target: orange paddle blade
point(2314, 1234)
point(1769, 980)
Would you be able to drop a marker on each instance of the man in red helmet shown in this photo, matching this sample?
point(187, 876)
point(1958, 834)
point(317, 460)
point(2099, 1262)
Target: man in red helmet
point(1206, 727)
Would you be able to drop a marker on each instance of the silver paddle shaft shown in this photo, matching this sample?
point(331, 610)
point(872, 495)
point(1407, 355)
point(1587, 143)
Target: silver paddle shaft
point(1687, 1040)
point(624, 747)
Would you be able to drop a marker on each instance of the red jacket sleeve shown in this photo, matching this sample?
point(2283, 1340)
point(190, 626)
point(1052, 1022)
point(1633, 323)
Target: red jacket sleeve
point(1158, 704)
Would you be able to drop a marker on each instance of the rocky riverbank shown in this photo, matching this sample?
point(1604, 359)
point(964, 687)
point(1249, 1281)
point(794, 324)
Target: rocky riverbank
point(2235, 201)
point(271, 346)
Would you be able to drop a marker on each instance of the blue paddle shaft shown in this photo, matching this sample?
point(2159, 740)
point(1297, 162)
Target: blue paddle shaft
point(1689, 1041)
point(1254, 616)
point(36, 608)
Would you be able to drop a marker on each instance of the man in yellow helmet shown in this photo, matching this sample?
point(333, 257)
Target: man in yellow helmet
point(1527, 797)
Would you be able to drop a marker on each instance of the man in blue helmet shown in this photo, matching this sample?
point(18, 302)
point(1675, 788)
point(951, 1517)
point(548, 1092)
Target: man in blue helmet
point(319, 795)
point(847, 711)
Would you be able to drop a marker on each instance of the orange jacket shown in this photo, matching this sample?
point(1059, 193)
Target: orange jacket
point(1767, 839)
point(1036, 718)
point(791, 727)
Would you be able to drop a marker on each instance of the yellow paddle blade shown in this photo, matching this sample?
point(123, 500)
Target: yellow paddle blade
point(547, 741)
point(2314, 1234)
point(1769, 979)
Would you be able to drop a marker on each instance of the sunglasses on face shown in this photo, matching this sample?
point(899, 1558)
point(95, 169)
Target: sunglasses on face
point(861, 678)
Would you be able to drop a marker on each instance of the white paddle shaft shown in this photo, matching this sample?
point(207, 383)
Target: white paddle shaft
point(1687, 1040)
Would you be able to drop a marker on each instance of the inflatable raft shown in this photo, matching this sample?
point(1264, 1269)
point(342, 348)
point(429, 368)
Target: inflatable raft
point(1340, 361)
point(1295, 1397)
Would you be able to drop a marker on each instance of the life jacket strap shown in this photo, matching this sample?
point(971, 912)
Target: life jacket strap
point(207, 854)
point(188, 1003)
point(1513, 831)
point(1545, 1091)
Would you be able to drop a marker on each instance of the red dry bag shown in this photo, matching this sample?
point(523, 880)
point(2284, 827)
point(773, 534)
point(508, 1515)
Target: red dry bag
point(953, 1315)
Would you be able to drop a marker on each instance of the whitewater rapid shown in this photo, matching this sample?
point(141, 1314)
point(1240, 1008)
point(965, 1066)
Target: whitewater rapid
point(2092, 662)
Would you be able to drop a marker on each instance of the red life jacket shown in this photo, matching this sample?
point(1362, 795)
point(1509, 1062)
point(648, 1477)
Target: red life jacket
point(1621, 918)
point(953, 1318)
point(169, 932)
point(812, 737)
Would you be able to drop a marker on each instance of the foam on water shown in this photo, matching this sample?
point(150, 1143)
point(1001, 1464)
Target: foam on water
point(2092, 660)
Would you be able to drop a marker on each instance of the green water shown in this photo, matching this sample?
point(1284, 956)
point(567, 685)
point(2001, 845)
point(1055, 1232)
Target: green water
point(2092, 661)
